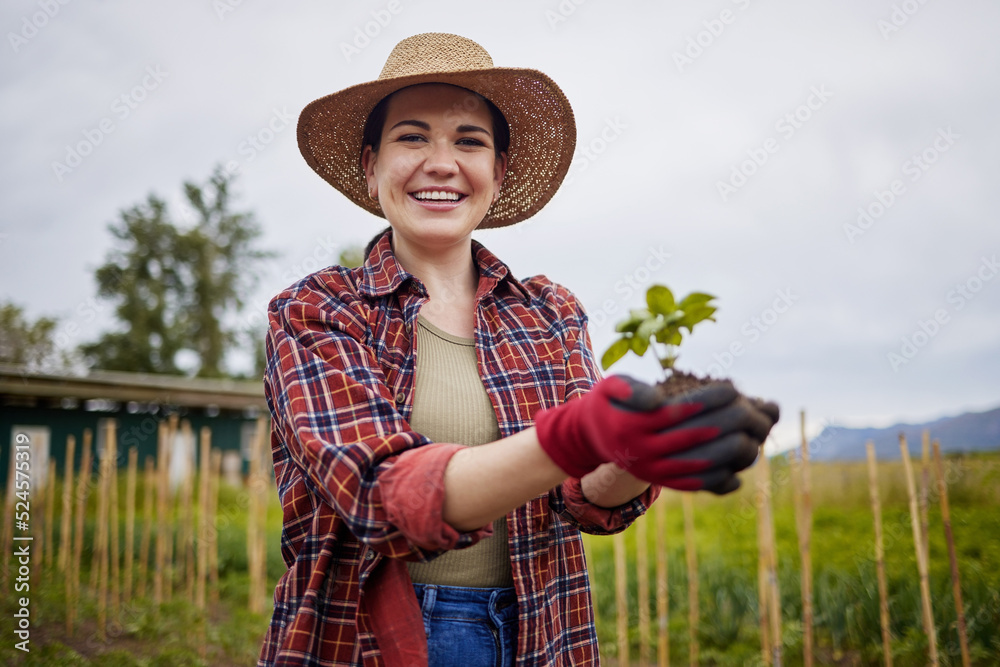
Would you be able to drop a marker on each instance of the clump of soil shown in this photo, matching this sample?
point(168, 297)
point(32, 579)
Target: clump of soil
point(681, 382)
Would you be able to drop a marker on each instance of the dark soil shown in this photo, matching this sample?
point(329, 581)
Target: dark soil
point(680, 382)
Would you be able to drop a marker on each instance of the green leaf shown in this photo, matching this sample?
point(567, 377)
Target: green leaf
point(649, 327)
point(675, 317)
point(639, 345)
point(660, 300)
point(695, 299)
point(629, 325)
point(696, 315)
point(669, 336)
point(617, 350)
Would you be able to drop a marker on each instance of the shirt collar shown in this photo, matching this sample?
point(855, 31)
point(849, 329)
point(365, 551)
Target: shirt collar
point(381, 274)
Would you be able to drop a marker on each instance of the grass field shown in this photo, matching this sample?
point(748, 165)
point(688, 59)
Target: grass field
point(845, 593)
point(845, 590)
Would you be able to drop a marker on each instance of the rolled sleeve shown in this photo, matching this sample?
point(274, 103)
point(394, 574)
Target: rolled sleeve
point(597, 520)
point(413, 494)
point(340, 431)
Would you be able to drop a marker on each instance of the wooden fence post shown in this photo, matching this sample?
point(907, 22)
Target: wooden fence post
point(213, 553)
point(918, 544)
point(115, 558)
point(925, 476)
point(130, 484)
point(956, 584)
point(805, 547)
point(149, 486)
point(50, 515)
point(621, 598)
point(185, 550)
point(662, 592)
point(82, 490)
point(687, 500)
point(100, 562)
point(66, 528)
point(642, 579)
point(763, 586)
point(883, 589)
point(204, 507)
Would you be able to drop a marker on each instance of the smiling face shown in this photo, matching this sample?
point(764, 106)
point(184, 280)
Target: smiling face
point(435, 171)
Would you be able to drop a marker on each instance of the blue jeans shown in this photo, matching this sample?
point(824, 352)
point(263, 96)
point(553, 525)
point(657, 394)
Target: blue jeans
point(469, 627)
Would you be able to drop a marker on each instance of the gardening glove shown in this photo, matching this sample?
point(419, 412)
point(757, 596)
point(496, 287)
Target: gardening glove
point(628, 422)
point(714, 465)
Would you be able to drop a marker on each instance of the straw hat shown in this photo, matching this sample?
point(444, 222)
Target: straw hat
point(542, 129)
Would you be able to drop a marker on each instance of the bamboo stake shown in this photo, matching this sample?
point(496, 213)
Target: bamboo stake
point(925, 477)
point(162, 480)
point(254, 536)
point(642, 565)
point(65, 562)
point(262, 542)
point(763, 588)
point(774, 600)
point(956, 584)
point(204, 506)
point(50, 516)
point(147, 527)
point(186, 549)
point(687, 500)
point(883, 589)
point(66, 529)
point(101, 550)
point(40, 522)
point(130, 483)
point(662, 592)
point(213, 542)
point(805, 547)
point(169, 564)
point(82, 490)
point(925, 589)
point(8, 517)
point(113, 518)
point(621, 598)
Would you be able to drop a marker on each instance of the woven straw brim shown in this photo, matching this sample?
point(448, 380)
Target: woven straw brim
point(542, 136)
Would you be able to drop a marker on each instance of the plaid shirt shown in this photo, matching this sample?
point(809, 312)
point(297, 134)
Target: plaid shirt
point(362, 492)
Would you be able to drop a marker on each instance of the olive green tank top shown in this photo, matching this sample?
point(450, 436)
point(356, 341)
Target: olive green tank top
point(450, 404)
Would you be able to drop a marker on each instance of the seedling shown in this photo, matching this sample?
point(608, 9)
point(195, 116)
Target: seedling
point(659, 326)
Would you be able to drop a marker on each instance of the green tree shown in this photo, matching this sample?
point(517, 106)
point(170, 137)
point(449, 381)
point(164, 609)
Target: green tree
point(29, 344)
point(142, 274)
point(220, 257)
point(178, 289)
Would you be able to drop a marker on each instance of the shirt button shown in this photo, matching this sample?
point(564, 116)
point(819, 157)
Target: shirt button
point(400, 398)
point(369, 555)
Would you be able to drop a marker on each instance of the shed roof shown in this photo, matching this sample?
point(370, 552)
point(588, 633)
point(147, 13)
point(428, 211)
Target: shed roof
point(142, 387)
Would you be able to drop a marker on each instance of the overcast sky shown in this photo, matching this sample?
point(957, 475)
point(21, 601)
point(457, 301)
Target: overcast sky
point(724, 146)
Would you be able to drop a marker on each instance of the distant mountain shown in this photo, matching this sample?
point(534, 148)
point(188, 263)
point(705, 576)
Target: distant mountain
point(971, 432)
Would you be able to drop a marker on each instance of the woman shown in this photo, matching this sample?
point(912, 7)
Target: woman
point(440, 432)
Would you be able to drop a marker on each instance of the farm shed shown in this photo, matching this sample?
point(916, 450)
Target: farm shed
point(48, 408)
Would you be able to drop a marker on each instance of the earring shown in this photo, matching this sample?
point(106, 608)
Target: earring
point(371, 195)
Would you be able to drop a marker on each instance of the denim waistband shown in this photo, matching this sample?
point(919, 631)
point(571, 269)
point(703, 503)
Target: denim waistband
point(498, 604)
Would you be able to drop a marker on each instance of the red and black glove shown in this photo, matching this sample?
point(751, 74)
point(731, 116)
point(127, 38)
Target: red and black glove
point(694, 441)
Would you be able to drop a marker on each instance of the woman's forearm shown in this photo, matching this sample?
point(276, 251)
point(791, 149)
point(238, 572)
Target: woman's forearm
point(484, 483)
point(610, 486)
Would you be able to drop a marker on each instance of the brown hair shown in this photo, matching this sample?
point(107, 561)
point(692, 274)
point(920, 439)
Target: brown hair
point(372, 134)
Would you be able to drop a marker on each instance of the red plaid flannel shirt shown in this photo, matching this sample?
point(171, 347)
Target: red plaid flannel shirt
point(362, 492)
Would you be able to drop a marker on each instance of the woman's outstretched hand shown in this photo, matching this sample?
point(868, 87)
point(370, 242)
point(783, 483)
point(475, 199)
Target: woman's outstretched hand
point(698, 440)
